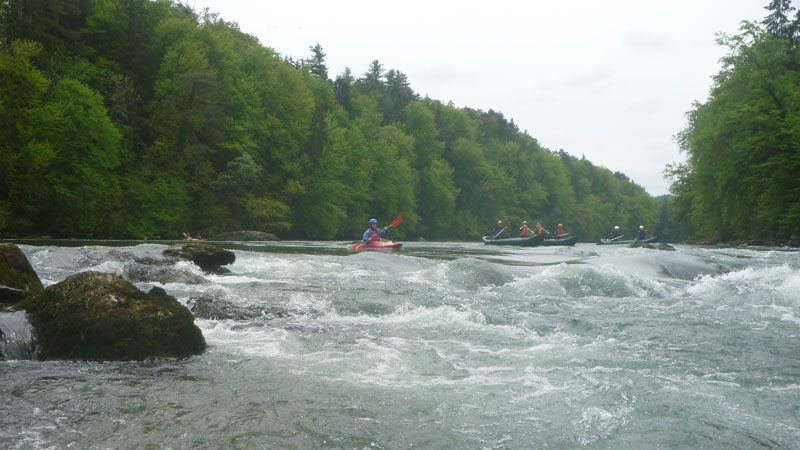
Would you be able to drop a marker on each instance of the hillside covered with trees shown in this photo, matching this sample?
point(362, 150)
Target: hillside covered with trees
point(139, 118)
point(741, 179)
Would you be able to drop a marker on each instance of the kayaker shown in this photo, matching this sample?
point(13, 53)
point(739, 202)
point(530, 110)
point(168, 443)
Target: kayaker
point(614, 234)
point(498, 229)
point(524, 231)
point(539, 229)
point(560, 230)
point(642, 233)
point(373, 233)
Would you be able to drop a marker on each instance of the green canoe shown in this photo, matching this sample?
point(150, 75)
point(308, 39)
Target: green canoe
point(620, 241)
point(532, 241)
point(568, 241)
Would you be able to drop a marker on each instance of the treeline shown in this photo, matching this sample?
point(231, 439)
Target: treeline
point(137, 118)
point(741, 180)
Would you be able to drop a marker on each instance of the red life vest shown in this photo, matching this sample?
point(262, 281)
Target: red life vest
point(525, 232)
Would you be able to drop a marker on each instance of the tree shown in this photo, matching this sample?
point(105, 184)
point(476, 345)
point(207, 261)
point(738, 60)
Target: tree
point(318, 67)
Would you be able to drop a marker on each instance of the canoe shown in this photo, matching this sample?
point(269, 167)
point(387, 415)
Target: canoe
point(620, 241)
point(377, 245)
point(532, 241)
point(568, 241)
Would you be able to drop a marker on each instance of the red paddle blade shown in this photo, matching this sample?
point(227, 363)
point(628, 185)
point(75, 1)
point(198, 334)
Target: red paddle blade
point(396, 221)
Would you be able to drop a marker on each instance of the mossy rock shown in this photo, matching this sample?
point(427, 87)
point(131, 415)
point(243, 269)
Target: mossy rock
point(103, 317)
point(210, 258)
point(17, 277)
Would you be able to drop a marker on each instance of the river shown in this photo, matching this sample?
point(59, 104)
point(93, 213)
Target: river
point(442, 345)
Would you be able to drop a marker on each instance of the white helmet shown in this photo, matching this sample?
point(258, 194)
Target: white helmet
point(617, 227)
point(641, 227)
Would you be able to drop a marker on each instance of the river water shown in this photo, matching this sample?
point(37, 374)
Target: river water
point(439, 346)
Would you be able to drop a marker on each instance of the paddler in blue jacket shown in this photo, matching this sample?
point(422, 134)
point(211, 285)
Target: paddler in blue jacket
point(373, 233)
point(642, 234)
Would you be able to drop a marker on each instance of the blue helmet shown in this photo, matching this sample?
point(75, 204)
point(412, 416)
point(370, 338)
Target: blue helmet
point(371, 221)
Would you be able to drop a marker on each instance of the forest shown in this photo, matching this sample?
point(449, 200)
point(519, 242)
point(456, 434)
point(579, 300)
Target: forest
point(143, 119)
point(741, 179)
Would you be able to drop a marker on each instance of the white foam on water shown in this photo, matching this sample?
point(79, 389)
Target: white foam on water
point(778, 285)
point(232, 337)
point(581, 281)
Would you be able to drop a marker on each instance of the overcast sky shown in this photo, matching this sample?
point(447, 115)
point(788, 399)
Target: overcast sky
point(610, 80)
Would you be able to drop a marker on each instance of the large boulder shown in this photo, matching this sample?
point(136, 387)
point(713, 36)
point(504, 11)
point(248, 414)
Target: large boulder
point(244, 236)
point(17, 278)
point(210, 258)
point(100, 316)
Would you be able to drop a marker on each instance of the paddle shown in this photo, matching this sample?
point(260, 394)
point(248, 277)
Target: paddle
point(612, 240)
point(499, 233)
point(397, 221)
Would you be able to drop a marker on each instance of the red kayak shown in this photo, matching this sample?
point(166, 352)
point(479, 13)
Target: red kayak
point(377, 245)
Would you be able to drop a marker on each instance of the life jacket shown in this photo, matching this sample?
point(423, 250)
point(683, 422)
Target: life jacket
point(539, 230)
point(525, 232)
point(372, 234)
point(559, 231)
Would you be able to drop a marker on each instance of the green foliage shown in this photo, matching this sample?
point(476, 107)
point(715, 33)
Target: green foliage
point(161, 120)
point(743, 145)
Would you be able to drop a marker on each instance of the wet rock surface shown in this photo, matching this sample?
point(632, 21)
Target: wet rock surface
point(17, 277)
point(100, 316)
point(208, 257)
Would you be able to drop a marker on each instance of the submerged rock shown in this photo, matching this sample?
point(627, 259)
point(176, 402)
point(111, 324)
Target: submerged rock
point(660, 246)
point(209, 308)
point(17, 278)
point(210, 258)
point(100, 316)
point(244, 236)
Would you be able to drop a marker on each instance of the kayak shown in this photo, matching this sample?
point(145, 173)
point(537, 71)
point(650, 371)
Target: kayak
point(194, 239)
point(532, 241)
point(377, 245)
point(569, 241)
point(620, 241)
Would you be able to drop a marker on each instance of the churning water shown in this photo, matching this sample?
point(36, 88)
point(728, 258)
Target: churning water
point(440, 346)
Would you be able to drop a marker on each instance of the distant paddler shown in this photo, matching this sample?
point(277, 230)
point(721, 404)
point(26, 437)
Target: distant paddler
point(614, 235)
point(524, 231)
point(539, 229)
point(498, 230)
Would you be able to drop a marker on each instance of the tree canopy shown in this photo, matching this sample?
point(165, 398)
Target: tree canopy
point(140, 118)
point(741, 179)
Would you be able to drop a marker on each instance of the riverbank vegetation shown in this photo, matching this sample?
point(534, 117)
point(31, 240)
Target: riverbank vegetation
point(138, 118)
point(741, 179)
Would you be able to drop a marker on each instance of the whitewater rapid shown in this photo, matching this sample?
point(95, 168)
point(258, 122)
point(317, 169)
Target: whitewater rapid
point(441, 345)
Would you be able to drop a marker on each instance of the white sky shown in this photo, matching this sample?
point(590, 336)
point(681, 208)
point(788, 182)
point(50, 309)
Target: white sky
point(611, 80)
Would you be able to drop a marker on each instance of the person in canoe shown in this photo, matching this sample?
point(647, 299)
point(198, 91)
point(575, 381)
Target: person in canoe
point(614, 234)
point(524, 231)
point(539, 229)
point(642, 234)
point(498, 230)
point(374, 233)
point(560, 230)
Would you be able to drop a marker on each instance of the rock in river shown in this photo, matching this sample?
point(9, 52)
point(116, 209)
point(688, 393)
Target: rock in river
point(100, 316)
point(17, 277)
point(210, 258)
